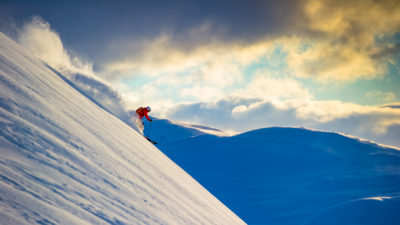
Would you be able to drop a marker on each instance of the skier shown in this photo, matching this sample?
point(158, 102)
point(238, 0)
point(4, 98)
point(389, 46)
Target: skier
point(142, 112)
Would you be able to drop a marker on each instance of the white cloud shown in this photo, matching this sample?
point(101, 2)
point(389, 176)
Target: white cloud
point(220, 73)
point(203, 93)
point(239, 114)
point(325, 111)
point(264, 86)
point(176, 74)
point(211, 63)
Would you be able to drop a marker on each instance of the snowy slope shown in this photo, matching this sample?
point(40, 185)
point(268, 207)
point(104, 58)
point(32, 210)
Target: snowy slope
point(163, 130)
point(66, 160)
point(295, 176)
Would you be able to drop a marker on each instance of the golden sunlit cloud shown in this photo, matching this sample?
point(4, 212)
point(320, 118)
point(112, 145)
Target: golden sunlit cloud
point(215, 62)
point(334, 40)
point(343, 38)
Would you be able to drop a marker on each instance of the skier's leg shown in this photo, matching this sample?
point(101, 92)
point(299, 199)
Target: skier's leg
point(139, 124)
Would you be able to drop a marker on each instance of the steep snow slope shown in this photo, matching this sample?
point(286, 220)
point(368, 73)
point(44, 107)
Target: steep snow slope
point(65, 160)
point(295, 176)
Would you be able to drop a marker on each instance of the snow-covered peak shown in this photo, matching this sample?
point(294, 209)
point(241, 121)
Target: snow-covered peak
point(66, 160)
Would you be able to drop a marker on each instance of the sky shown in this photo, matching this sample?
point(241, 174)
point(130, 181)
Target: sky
point(233, 65)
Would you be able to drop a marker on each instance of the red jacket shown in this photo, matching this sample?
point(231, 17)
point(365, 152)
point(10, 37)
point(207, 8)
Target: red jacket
point(142, 112)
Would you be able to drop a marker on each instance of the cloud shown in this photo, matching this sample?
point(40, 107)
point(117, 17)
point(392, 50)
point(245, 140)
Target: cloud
point(381, 97)
point(325, 40)
point(354, 20)
point(389, 51)
point(394, 105)
point(325, 62)
point(202, 93)
point(240, 114)
point(264, 86)
point(211, 62)
point(173, 71)
point(342, 39)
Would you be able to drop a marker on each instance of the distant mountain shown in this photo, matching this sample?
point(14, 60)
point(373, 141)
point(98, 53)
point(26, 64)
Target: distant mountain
point(294, 176)
point(65, 157)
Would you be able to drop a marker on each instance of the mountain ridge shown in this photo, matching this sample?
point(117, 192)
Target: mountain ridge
point(296, 176)
point(65, 160)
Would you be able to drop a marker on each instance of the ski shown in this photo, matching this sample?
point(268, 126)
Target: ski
point(153, 142)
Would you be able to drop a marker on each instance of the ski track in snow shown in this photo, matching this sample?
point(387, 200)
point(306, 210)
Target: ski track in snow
point(65, 160)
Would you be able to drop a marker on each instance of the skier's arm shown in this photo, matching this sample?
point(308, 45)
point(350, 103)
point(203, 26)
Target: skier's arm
point(147, 117)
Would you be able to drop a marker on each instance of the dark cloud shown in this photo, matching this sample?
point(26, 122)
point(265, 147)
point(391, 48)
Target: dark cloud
point(387, 52)
point(89, 26)
point(395, 105)
point(340, 34)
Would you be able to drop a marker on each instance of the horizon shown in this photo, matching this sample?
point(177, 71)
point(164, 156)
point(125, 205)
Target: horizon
point(235, 66)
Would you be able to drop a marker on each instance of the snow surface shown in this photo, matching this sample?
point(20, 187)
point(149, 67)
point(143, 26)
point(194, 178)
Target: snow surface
point(65, 159)
point(294, 176)
point(163, 130)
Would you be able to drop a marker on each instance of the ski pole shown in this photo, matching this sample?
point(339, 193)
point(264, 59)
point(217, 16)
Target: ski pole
point(148, 133)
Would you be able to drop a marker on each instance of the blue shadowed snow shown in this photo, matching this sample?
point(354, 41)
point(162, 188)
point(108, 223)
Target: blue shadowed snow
point(295, 176)
point(163, 131)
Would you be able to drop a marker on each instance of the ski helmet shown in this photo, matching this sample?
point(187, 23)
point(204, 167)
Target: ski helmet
point(148, 108)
